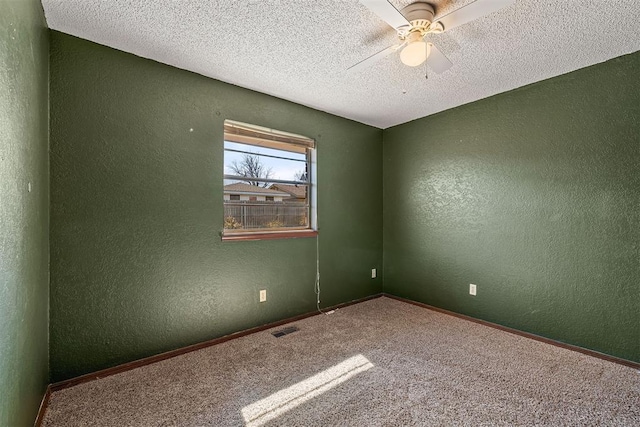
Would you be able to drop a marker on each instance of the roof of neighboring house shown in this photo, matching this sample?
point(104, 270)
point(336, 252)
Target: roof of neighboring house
point(242, 188)
point(297, 191)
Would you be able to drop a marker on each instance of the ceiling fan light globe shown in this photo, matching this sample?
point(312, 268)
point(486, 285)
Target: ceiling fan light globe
point(414, 54)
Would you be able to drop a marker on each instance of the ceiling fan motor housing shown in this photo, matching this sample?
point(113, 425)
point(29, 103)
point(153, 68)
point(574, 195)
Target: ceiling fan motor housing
point(420, 16)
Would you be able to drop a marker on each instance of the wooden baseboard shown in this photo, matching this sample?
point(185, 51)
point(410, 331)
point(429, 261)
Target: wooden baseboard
point(43, 407)
point(582, 350)
point(180, 351)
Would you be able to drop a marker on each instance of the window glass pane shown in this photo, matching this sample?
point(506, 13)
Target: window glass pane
point(256, 212)
point(248, 160)
point(255, 204)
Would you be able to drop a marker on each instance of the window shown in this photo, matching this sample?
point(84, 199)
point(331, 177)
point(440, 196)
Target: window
point(269, 183)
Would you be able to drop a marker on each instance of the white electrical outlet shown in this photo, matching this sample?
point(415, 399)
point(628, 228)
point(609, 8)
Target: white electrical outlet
point(374, 273)
point(472, 289)
point(263, 295)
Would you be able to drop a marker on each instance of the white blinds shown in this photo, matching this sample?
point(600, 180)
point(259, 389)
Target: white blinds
point(265, 137)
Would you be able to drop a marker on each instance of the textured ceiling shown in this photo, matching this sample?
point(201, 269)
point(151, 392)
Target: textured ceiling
point(299, 50)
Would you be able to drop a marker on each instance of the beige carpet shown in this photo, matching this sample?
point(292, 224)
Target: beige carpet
point(377, 363)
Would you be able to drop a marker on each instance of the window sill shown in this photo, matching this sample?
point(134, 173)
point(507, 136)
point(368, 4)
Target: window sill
point(292, 234)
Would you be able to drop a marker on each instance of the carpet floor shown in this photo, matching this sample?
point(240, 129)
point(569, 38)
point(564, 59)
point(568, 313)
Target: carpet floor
point(378, 363)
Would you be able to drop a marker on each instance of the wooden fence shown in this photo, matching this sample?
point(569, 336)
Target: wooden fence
point(239, 215)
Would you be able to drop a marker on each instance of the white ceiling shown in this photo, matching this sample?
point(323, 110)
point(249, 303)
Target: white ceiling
point(299, 50)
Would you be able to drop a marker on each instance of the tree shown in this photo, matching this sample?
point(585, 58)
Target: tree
point(251, 167)
point(300, 176)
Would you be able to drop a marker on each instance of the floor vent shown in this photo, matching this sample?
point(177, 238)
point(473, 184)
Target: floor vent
point(285, 331)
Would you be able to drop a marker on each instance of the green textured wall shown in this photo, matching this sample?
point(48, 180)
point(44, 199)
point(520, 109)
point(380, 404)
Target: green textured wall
point(533, 195)
point(24, 214)
point(137, 264)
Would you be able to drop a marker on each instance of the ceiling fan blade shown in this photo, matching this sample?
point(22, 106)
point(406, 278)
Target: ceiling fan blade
point(437, 61)
point(386, 12)
point(471, 12)
point(365, 63)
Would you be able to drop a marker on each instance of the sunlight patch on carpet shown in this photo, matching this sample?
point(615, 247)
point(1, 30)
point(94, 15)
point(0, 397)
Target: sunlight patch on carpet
point(264, 410)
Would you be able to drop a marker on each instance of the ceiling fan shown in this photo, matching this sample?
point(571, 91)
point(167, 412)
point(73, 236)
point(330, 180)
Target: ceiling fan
point(415, 22)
